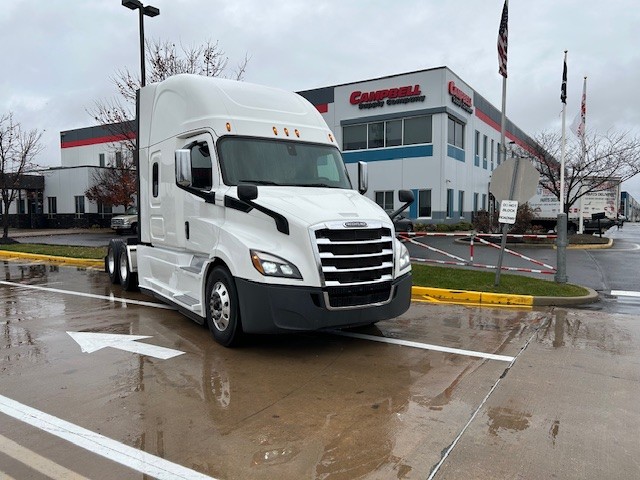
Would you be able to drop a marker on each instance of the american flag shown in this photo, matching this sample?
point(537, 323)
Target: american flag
point(502, 41)
point(583, 110)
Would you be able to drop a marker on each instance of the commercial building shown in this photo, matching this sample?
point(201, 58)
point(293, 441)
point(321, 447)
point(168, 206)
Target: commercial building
point(428, 131)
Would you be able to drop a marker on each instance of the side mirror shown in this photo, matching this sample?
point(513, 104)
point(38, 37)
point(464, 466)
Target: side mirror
point(406, 196)
point(183, 168)
point(363, 178)
point(247, 192)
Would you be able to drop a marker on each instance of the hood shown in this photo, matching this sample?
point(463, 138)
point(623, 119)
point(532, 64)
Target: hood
point(312, 205)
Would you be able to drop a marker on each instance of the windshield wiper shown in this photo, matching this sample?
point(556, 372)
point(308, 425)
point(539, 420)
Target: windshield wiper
point(260, 182)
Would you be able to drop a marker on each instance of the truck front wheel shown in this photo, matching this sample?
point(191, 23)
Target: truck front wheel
point(223, 314)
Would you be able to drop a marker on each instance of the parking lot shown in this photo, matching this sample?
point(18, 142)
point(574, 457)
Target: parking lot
point(443, 391)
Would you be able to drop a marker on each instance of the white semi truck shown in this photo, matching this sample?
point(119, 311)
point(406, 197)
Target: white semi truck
point(604, 202)
point(248, 220)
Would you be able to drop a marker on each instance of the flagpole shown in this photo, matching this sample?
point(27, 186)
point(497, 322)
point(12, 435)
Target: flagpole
point(582, 130)
point(502, 60)
point(561, 225)
point(563, 144)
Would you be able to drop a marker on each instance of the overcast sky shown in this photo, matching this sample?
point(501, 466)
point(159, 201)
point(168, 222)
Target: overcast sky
point(58, 55)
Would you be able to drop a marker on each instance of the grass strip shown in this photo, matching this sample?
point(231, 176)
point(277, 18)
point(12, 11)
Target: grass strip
point(91, 253)
point(483, 281)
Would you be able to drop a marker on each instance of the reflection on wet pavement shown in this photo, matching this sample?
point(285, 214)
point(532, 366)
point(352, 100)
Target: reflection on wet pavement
point(297, 406)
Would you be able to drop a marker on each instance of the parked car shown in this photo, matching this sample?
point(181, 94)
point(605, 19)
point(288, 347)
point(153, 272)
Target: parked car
point(403, 224)
point(128, 222)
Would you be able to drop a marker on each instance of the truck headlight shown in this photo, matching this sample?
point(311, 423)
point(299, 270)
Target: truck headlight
point(405, 259)
point(272, 266)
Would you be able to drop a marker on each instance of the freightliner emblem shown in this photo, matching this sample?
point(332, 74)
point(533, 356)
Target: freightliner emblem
point(355, 224)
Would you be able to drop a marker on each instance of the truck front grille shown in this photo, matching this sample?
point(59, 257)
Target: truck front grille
point(356, 263)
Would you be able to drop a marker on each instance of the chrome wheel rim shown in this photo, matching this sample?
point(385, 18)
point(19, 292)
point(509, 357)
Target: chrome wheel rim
point(124, 271)
point(220, 306)
point(111, 261)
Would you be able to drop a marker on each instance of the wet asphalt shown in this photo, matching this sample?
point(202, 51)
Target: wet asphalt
point(444, 391)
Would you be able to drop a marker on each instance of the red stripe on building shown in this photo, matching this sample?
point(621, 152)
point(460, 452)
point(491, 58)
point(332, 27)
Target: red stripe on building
point(97, 140)
point(486, 119)
point(323, 108)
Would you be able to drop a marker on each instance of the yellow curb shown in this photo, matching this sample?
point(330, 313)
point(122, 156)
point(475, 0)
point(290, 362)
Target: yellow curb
point(80, 262)
point(470, 297)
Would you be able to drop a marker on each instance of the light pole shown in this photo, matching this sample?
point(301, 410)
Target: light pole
point(149, 11)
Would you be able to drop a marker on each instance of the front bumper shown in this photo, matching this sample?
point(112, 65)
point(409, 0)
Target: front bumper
point(276, 308)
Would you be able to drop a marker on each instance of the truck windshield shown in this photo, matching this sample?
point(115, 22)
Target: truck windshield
point(281, 162)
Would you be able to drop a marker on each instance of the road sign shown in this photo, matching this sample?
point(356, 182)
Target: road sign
point(526, 181)
point(508, 211)
point(90, 342)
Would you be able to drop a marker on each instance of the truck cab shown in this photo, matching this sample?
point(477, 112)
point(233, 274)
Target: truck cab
point(248, 219)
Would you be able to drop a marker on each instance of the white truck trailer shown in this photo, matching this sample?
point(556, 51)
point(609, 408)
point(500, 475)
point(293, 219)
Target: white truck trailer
point(248, 219)
point(603, 201)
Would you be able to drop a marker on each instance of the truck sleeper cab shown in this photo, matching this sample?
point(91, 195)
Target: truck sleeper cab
point(248, 218)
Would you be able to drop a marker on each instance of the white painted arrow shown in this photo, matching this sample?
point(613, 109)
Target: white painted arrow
point(91, 342)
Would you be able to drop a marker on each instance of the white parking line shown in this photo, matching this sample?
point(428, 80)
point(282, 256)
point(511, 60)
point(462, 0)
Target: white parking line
point(625, 293)
point(111, 298)
point(425, 346)
point(36, 462)
point(130, 457)
point(406, 343)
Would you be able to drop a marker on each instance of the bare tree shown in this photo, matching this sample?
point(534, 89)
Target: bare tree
point(18, 148)
point(164, 59)
point(589, 167)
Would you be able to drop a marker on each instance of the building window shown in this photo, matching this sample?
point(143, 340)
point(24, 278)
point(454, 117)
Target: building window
point(461, 203)
point(354, 137)
point(52, 206)
point(484, 201)
point(424, 203)
point(20, 203)
point(499, 153)
point(449, 202)
point(392, 133)
point(476, 151)
point(455, 133)
point(475, 202)
point(492, 155)
point(385, 200)
point(376, 135)
point(79, 200)
point(104, 210)
point(101, 160)
point(119, 159)
point(485, 147)
point(417, 130)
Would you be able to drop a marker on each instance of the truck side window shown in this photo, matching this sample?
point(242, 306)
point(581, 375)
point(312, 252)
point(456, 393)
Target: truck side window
point(201, 166)
point(155, 179)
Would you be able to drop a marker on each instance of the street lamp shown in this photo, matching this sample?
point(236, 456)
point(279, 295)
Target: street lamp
point(149, 11)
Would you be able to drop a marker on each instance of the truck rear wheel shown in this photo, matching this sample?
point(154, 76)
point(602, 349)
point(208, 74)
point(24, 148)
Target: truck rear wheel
point(113, 259)
point(223, 313)
point(128, 279)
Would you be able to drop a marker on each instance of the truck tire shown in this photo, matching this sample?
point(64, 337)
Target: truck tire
point(128, 279)
point(113, 259)
point(222, 308)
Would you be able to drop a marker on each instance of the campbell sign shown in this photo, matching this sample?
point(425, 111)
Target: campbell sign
point(387, 96)
point(460, 98)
